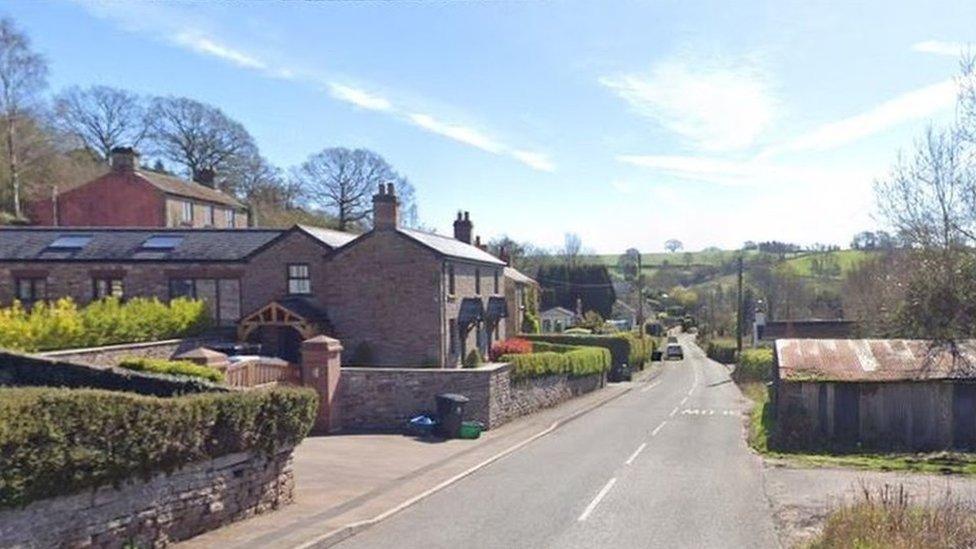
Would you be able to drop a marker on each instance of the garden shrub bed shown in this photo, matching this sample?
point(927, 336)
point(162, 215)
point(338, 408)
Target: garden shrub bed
point(624, 348)
point(754, 365)
point(171, 367)
point(63, 325)
point(56, 442)
point(552, 359)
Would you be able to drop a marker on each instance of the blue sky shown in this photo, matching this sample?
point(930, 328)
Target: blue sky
point(628, 123)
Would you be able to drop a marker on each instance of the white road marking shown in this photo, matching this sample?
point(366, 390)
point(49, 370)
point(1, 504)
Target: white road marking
point(675, 411)
point(636, 453)
point(651, 386)
point(683, 401)
point(596, 501)
point(658, 428)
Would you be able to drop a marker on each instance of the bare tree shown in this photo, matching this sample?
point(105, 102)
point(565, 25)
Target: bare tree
point(201, 138)
point(23, 74)
point(572, 248)
point(101, 117)
point(342, 182)
point(673, 245)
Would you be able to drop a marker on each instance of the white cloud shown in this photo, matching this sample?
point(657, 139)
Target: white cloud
point(359, 98)
point(937, 47)
point(461, 134)
point(209, 47)
point(534, 160)
point(718, 104)
point(914, 105)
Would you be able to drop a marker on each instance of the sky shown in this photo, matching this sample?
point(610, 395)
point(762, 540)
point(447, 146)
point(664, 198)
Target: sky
point(628, 123)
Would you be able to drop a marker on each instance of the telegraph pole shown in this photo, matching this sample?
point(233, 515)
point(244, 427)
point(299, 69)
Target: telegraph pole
point(738, 311)
point(640, 296)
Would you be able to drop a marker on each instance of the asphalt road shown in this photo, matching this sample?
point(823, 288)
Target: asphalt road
point(665, 465)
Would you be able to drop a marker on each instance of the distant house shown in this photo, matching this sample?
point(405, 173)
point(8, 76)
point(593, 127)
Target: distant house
point(517, 286)
point(127, 196)
point(557, 319)
point(624, 317)
point(872, 394)
point(771, 330)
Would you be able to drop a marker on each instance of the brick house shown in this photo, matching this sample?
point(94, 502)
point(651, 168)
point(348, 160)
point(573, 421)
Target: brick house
point(127, 196)
point(393, 296)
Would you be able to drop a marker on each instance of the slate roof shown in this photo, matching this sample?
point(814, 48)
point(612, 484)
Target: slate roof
point(190, 189)
point(519, 276)
point(305, 307)
point(560, 310)
point(329, 237)
point(872, 360)
point(451, 247)
point(123, 245)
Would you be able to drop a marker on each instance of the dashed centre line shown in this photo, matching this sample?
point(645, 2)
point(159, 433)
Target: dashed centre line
point(596, 501)
point(658, 428)
point(636, 453)
point(675, 411)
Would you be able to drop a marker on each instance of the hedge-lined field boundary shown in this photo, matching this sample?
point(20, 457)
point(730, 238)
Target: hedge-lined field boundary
point(60, 441)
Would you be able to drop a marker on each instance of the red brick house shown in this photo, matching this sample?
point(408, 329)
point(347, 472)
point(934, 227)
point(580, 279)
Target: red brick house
point(127, 196)
point(393, 296)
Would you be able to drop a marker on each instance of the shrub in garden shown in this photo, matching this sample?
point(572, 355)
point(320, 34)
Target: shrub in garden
point(172, 367)
point(62, 324)
point(514, 346)
point(474, 359)
point(60, 441)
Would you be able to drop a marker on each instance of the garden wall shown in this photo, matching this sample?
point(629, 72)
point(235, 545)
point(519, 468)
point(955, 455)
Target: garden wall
point(384, 399)
point(160, 510)
point(110, 355)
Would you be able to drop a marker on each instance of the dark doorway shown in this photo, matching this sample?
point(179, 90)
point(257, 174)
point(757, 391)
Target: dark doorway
point(963, 417)
point(847, 416)
point(283, 342)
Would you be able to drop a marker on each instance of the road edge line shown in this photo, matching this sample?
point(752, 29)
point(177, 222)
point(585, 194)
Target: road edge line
point(345, 532)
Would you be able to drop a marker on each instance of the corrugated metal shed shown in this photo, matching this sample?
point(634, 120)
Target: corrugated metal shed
point(873, 360)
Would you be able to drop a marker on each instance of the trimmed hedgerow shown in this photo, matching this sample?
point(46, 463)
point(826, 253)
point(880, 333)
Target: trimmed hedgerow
point(721, 350)
point(62, 324)
point(60, 441)
point(624, 348)
point(754, 365)
point(171, 367)
point(550, 359)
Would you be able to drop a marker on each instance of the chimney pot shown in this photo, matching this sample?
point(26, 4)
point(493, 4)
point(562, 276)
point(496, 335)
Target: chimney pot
point(463, 228)
point(205, 176)
point(124, 159)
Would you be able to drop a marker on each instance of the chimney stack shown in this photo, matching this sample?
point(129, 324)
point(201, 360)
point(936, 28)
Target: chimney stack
point(385, 208)
point(205, 176)
point(504, 256)
point(124, 159)
point(463, 228)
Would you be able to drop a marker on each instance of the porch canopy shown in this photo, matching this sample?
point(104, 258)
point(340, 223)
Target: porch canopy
point(300, 313)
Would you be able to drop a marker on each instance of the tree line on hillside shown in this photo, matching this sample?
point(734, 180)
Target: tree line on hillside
point(52, 142)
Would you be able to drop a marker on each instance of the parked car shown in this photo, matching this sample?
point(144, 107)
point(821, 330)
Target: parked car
point(674, 352)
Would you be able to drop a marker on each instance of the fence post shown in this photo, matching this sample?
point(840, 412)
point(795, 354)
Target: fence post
point(321, 365)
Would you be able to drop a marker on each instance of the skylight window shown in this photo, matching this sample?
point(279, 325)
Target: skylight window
point(162, 242)
point(70, 242)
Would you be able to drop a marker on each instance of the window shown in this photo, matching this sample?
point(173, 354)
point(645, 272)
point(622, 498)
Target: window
point(182, 287)
point(70, 242)
point(106, 287)
point(450, 279)
point(298, 279)
point(496, 281)
point(30, 290)
point(477, 281)
point(453, 337)
point(186, 212)
point(208, 220)
point(229, 218)
point(162, 242)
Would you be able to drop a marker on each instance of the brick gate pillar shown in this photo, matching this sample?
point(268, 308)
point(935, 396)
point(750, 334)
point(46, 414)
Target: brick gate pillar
point(321, 361)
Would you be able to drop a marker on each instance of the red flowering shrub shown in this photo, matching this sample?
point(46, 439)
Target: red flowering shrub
point(514, 346)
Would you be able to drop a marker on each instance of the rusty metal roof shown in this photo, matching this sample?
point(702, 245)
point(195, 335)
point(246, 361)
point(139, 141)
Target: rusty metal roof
point(873, 360)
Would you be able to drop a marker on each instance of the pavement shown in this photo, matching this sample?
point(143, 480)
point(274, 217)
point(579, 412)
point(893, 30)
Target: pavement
point(663, 465)
point(346, 483)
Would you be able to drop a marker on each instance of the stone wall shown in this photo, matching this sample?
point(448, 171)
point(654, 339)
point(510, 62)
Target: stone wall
point(163, 509)
point(110, 355)
point(384, 399)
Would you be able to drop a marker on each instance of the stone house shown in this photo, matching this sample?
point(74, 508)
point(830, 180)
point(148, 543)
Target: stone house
point(128, 196)
point(517, 288)
point(556, 319)
point(393, 296)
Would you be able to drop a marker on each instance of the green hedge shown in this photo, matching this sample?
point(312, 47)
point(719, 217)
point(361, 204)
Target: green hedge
point(721, 350)
point(549, 359)
point(63, 325)
point(754, 365)
point(171, 367)
point(624, 348)
point(61, 441)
